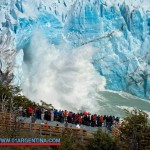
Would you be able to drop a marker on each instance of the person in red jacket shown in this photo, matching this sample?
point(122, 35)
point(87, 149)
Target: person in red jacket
point(77, 118)
point(65, 115)
point(80, 120)
point(29, 111)
point(94, 120)
point(101, 119)
point(35, 111)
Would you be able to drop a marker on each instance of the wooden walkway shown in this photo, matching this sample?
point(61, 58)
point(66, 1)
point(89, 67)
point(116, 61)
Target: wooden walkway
point(8, 121)
point(115, 131)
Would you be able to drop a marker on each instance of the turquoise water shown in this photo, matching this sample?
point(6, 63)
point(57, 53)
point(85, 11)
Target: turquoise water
point(114, 103)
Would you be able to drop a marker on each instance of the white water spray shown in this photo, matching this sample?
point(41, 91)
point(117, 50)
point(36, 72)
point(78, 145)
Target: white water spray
point(65, 78)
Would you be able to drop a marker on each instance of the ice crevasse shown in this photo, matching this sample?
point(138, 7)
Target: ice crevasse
point(120, 30)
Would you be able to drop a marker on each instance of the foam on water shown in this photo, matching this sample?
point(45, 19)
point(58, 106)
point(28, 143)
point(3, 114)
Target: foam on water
point(132, 108)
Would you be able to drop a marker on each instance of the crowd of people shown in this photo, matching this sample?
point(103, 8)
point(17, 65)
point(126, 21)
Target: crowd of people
point(64, 116)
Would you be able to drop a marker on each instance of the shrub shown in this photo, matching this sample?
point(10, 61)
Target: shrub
point(135, 131)
point(102, 141)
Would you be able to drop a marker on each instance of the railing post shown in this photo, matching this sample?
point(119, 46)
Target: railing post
point(81, 131)
point(9, 125)
point(40, 129)
point(30, 127)
point(60, 131)
point(50, 129)
point(20, 124)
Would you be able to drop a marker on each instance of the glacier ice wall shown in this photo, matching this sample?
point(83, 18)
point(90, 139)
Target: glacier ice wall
point(120, 30)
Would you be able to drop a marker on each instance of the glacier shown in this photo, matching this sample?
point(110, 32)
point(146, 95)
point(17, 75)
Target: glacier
point(118, 30)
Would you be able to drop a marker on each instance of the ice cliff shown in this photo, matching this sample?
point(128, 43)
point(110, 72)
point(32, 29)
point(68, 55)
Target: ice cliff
point(120, 30)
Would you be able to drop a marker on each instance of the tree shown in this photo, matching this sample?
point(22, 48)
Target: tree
point(7, 94)
point(23, 101)
point(102, 141)
point(135, 131)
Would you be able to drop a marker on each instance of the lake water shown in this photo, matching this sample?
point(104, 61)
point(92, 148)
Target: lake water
point(114, 103)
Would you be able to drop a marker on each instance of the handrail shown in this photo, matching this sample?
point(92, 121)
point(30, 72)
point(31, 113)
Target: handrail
point(6, 121)
point(40, 128)
point(115, 131)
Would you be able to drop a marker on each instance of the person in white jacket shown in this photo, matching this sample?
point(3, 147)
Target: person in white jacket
point(78, 126)
point(52, 115)
point(42, 115)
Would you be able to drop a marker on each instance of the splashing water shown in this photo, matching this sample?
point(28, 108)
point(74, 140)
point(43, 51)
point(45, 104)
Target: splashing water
point(65, 78)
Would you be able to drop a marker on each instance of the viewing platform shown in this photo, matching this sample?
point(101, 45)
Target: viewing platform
point(11, 121)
